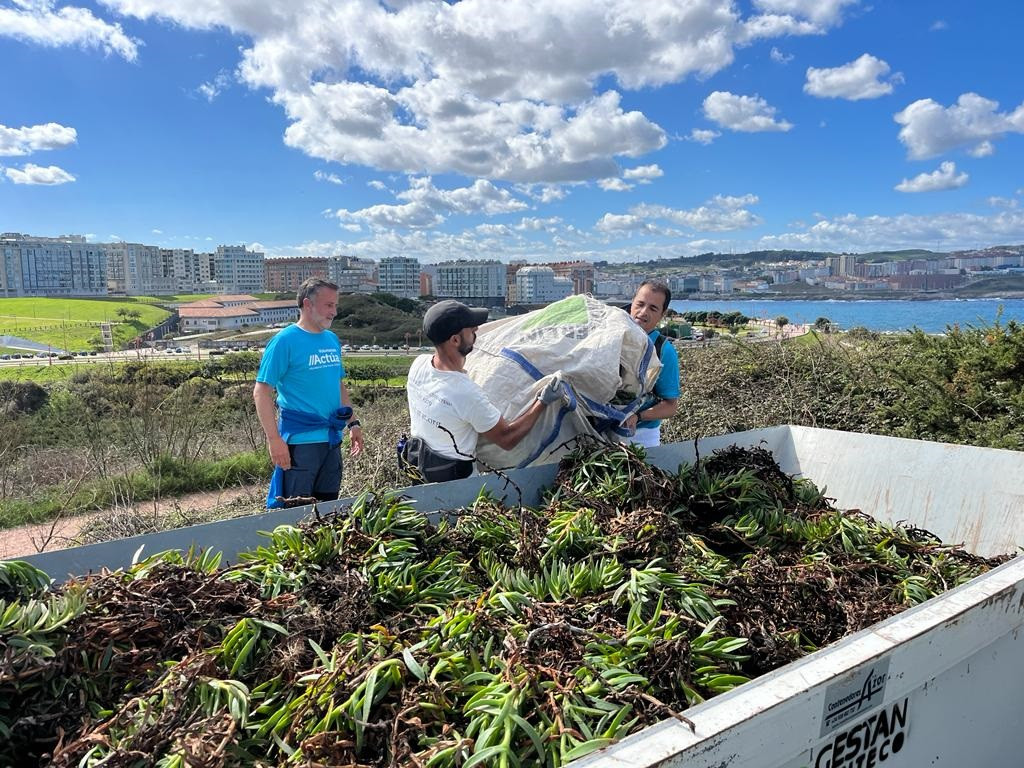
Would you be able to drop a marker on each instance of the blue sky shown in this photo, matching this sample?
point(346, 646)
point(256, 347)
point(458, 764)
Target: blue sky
point(541, 130)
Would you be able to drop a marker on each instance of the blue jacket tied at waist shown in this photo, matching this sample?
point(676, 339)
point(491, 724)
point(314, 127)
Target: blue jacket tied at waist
point(295, 422)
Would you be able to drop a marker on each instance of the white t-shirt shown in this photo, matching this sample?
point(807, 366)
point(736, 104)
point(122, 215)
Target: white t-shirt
point(450, 399)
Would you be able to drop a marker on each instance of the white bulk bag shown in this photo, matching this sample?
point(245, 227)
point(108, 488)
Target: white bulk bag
point(606, 362)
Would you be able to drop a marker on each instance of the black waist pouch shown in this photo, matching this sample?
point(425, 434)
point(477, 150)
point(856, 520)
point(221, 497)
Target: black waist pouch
point(424, 465)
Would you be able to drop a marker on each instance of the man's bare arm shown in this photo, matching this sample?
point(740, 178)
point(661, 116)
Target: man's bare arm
point(263, 396)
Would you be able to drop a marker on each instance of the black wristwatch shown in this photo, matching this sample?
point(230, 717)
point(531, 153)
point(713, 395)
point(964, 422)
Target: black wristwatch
point(354, 423)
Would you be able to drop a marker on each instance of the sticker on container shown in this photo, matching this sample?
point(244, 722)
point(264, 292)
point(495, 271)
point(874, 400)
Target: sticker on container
point(854, 694)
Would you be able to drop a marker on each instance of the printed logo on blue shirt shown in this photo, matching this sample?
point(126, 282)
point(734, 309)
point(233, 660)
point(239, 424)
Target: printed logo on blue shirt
point(324, 357)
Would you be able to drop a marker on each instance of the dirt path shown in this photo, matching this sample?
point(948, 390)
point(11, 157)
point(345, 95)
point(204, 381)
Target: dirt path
point(60, 534)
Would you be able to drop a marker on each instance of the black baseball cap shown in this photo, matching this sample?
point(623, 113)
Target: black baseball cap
point(446, 318)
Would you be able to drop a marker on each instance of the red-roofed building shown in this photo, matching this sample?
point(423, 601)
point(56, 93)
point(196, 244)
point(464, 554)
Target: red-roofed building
point(234, 311)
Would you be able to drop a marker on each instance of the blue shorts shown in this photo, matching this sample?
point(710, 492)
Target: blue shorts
point(315, 471)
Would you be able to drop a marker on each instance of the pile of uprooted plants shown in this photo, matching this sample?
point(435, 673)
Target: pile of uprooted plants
point(504, 637)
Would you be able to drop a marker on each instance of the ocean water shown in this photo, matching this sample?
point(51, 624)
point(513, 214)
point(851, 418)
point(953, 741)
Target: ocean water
point(875, 315)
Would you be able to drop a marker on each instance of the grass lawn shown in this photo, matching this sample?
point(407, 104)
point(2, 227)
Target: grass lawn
point(72, 323)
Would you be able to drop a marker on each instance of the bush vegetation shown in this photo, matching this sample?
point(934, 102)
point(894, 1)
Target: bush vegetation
point(113, 434)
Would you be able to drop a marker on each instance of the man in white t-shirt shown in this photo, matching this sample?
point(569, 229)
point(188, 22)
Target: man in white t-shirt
point(448, 410)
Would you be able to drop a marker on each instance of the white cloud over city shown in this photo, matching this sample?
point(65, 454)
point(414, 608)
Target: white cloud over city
point(859, 79)
point(488, 89)
point(944, 177)
point(15, 142)
point(747, 114)
point(721, 213)
point(425, 205)
point(41, 22)
point(974, 122)
point(37, 174)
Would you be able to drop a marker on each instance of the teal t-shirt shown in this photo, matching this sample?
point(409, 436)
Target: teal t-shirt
point(306, 370)
point(667, 385)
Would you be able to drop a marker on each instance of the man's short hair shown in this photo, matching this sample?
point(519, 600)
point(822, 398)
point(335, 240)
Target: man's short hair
point(660, 287)
point(309, 288)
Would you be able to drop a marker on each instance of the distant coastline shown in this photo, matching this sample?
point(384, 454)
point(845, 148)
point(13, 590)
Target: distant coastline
point(876, 314)
point(866, 296)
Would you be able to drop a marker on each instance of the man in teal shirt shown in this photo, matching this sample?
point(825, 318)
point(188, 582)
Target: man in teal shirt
point(647, 309)
point(303, 364)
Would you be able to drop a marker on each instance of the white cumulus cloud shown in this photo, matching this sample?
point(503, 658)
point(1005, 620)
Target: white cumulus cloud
point(929, 129)
point(984, 149)
point(212, 89)
point(643, 174)
point(494, 230)
point(1002, 202)
point(37, 174)
point(614, 185)
point(853, 232)
point(427, 206)
point(41, 23)
point(15, 142)
point(720, 213)
point(749, 114)
point(823, 12)
point(537, 224)
point(330, 178)
point(944, 177)
point(860, 79)
point(779, 57)
point(703, 136)
point(503, 89)
point(619, 223)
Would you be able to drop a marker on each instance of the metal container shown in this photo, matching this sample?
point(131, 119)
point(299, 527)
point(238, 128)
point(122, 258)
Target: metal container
point(940, 684)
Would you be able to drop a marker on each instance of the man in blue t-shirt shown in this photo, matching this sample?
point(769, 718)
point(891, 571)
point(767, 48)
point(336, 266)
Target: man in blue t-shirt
point(303, 364)
point(649, 305)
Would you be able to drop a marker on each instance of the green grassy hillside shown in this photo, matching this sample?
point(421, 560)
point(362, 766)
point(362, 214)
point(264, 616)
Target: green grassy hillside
point(367, 319)
point(71, 323)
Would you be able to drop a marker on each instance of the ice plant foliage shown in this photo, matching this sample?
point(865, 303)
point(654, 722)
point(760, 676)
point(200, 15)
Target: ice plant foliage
point(506, 637)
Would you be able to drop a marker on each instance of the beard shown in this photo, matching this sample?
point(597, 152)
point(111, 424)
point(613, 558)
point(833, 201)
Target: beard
point(465, 347)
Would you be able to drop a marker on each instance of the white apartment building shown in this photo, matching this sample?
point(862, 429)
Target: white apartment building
point(237, 270)
point(472, 282)
point(400, 276)
point(538, 285)
point(611, 289)
point(51, 266)
point(352, 274)
point(135, 269)
point(844, 264)
point(710, 284)
point(193, 272)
